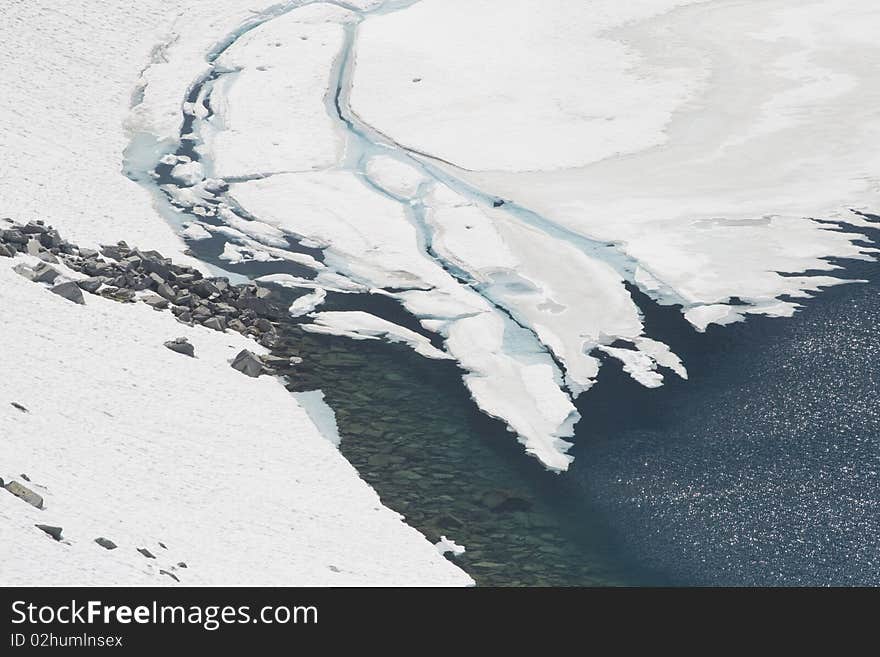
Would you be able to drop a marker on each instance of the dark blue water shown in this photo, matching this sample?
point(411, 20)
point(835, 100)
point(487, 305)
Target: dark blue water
point(763, 467)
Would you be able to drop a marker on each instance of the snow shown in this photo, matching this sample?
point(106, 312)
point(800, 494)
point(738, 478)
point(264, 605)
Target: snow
point(445, 545)
point(720, 130)
point(283, 63)
point(308, 302)
point(394, 176)
point(187, 173)
point(125, 439)
point(364, 326)
point(195, 231)
point(128, 440)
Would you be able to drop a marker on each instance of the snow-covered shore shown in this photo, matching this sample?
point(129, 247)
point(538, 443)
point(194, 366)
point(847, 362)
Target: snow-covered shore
point(123, 438)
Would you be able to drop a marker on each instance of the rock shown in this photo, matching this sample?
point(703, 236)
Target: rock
point(158, 266)
point(187, 279)
point(184, 299)
point(91, 284)
point(87, 253)
point(497, 203)
point(54, 532)
point(6, 251)
point(31, 228)
point(116, 252)
point(263, 325)
point(185, 317)
point(25, 494)
point(201, 313)
point(205, 288)
point(51, 239)
point(47, 256)
point(19, 407)
point(155, 301)
point(216, 323)
point(165, 290)
point(43, 273)
point(237, 325)
point(146, 553)
point(247, 363)
point(123, 294)
point(23, 270)
point(276, 362)
point(139, 282)
point(171, 575)
point(503, 500)
point(181, 346)
point(69, 291)
point(13, 236)
point(105, 543)
point(97, 268)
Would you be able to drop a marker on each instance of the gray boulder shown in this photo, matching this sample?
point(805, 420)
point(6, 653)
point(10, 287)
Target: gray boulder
point(51, 239)
point(42, 273)
point(105, 543)
point(155, 301)
point(24, 493)
point(97, 268)
point(91, 284)
point(181, 346)
point(165, 290)
point(69, 291)
point(216, 323)
point(54, 532)
point(6, 251)
point(247, 363)
point(33, 228)
point(13, 236)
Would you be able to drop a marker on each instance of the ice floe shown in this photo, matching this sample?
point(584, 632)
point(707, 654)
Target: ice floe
point(364, 326)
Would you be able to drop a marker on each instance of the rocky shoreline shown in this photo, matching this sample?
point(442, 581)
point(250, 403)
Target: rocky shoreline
point(128, 275)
